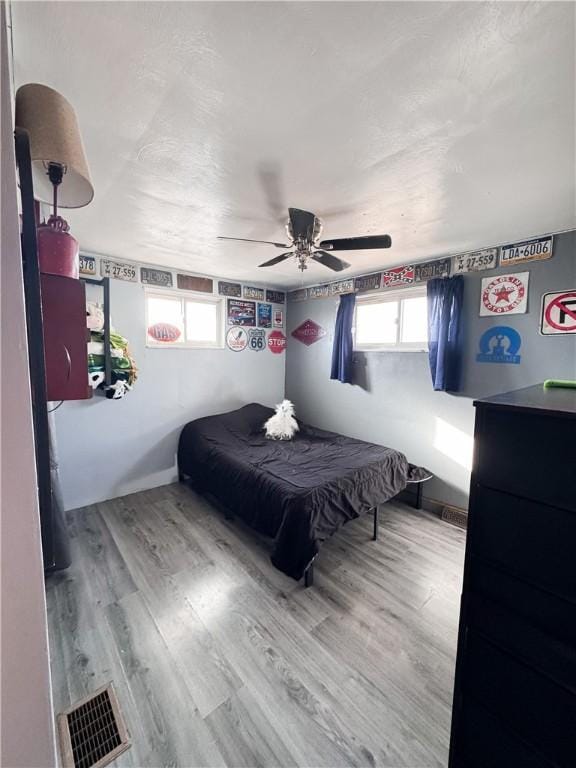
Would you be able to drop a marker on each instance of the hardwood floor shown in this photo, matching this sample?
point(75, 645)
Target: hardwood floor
point(220, 660)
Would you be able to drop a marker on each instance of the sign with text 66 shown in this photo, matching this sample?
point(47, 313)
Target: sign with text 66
point(257, 339)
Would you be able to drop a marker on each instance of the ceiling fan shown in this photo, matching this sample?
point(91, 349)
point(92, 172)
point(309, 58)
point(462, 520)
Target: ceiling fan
point(304, 230)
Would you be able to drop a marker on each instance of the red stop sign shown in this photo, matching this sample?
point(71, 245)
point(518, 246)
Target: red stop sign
point(276, 342)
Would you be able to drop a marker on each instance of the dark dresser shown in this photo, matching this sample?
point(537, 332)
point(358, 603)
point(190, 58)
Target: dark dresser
point(515, 687)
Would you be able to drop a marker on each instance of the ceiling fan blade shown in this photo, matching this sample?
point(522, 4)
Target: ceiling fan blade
point(357, 243)
point(247, 240)
point(330, 261)
point(302, 224)
point(276, 259)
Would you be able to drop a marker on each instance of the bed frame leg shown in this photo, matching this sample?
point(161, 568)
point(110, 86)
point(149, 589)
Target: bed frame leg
point(309, 576)
point(418, 502)
point(375, 534)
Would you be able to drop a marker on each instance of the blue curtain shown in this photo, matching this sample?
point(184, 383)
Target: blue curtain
point(342, 351)
point(445, 299)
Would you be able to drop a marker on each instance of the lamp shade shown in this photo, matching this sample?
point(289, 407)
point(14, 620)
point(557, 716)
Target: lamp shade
point(54, 138)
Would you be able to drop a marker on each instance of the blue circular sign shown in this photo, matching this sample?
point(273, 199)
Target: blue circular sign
point(499, 344)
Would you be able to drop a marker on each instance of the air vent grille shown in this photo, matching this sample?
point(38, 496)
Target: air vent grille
point(456, 516)
point(93, 733)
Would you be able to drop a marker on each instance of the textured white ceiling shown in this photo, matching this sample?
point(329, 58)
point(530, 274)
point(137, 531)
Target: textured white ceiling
point(449, 126)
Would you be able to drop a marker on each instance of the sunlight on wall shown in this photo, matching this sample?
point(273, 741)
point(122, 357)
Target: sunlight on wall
point(453, 443)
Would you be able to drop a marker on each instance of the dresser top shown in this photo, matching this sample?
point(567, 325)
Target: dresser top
point(551, 401)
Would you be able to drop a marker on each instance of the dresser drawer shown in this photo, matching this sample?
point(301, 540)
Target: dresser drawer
point(530, 455)
point(552, 615)
point(542, 713)
point(503, 749)
point(529, 540)
point(527, 642)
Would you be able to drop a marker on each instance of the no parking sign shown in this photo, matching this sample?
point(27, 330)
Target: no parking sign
point(558, 313)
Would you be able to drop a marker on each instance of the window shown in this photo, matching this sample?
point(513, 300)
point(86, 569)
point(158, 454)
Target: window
point(183, 320)
point(395, 320)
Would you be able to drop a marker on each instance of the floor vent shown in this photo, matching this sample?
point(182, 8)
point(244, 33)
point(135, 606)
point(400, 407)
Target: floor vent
point(92, 732)
point(456, 516)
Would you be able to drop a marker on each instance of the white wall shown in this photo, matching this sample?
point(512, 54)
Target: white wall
point(110, 448)
point(26, 716)
point(392, 401)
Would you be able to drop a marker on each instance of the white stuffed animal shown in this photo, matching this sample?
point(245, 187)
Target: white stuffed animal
point(283, 425)
point(94, 316)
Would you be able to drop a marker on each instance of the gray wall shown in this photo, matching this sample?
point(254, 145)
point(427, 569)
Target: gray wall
point(110, 448)
point(107, 449)
point(27, 730)
point(393, 402)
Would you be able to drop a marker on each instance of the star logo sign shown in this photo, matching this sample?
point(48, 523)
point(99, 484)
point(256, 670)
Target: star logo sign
point(503, 294)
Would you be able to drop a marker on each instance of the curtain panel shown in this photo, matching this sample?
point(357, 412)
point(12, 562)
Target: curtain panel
point(445, 302)
point(342, 351)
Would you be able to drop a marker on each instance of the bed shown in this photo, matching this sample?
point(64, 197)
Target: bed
point(298, 492)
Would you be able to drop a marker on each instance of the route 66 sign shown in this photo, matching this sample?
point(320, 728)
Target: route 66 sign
point(257, 339)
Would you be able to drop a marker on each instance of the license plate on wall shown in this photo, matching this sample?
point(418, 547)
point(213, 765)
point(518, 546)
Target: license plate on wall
point(156, 277)
point(529, 250)
point(87, 265)
point(431, 269)
point(118, 270)
point(476, 261)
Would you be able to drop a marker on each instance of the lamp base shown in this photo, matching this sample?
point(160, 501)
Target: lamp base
point(57, 248)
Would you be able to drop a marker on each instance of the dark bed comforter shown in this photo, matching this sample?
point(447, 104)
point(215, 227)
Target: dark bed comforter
point(298, 492)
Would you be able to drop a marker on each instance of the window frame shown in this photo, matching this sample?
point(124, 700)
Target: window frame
point(383, 298)
point(183, 297)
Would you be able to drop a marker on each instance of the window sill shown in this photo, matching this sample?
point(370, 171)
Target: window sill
point(151, 345)
point(391, 349)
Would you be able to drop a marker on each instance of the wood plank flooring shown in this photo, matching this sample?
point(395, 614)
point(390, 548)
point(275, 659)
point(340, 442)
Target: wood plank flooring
point(220, 660)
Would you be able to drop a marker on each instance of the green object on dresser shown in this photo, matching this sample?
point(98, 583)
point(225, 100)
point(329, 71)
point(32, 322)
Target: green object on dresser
point(561, 383)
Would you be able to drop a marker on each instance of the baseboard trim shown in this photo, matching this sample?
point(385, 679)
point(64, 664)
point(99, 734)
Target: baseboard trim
point(431, 505)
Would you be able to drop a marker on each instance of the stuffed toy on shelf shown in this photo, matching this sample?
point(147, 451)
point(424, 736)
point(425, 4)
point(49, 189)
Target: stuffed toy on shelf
point(124, 372)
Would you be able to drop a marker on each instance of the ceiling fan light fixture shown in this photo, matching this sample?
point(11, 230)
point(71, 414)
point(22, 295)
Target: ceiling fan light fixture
point(304, 230)
point(302, 260)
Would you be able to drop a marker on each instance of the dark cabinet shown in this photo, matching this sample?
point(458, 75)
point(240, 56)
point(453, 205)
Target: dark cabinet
point(515, 686)
point(65, 338)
